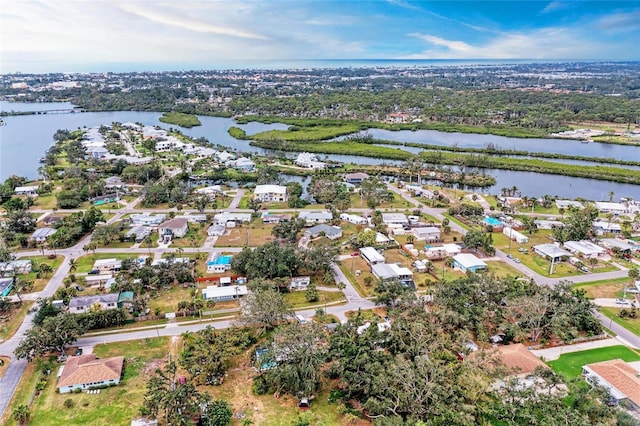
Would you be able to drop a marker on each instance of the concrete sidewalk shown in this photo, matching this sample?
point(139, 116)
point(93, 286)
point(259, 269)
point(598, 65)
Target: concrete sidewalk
point(554, 353)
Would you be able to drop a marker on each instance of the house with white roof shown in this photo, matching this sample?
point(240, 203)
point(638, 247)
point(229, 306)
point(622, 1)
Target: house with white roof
point(314, 217)
point(616, 244)
point(309, 161)
point(467, 262)
point(607, 207)
point(551, 252)
point(146, 219)
point(440, 252)
point(40, 235)
point(371, 255)
point(391, 271)
point(243, 164)
point(19, 266)
point(394, 219)
point(547, 224)
point(566, 204)
point(515, 235)
point(352, 218)
point(107, 265)
point(221, 294)
point(270, 193)
point(601, 227)
point(31, 191)
point(230, 219)
point(427, 233)
point(585, 248)
point(210, 192)
point(331, 232)
point(80, 305)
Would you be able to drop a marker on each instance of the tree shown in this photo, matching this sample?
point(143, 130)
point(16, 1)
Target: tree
point(255, 204)
point(217, 413)
point(311, 293)
point(288, 231)
point(200, 204)
point(265, 309)
point(21, 285)
point(21, 414)
point(53, 335)
point(389, 292)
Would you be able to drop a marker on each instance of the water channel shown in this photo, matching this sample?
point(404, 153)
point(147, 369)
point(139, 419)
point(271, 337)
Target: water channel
point(24, 139)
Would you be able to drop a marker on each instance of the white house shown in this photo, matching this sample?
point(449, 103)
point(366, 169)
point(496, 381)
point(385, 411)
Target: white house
point(607, 207)
point(173, 228)
point(394, 219)
point(467, 262)
point(217, 263)
point(299, 283)
point(371, 255)
point(391, 271)
point(40, 235)
point(20, 266)
point(80, 305)
point(139, 233)
point(230, 220)
point(210, 192)
point(515, 235)
point(270, 193)
point(85, 372)
point(331, 232)
point(31, 191)
point(107, 265)
point(352, 218)
point(146, 219)
point(221, 294)
point(601, 227)
point(355, 178)
point(309, 161)
point(243, 164)
point(97, 280)
point(427, 233)
point(547, 224)
point(615, 243)
point(216, 230)
point(585, 248)
point(565, 204)
point(314, 217)
point(551, 252)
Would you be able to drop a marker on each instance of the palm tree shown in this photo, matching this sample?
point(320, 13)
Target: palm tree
point(73, 265)
point(45, 269)
point(21, 414)
point(611, 194)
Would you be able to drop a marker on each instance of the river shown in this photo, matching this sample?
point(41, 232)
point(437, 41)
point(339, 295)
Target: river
point(24, 139)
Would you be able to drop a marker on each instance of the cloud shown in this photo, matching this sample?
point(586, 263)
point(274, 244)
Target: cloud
point(620, 22)
point(546, 43)
point(404, 4)
point(555, 5)
point(175, 19)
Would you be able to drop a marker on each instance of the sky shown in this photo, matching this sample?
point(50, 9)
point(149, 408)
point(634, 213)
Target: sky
point(110, 35)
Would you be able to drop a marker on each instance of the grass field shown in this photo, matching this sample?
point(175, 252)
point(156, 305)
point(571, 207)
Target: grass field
point(604, 288)
point(247, 235)
point(40, 283)
point(298, 300)
point(180, 119)
point(501, 269)
point(113, 406)
point(631, 324)
point(570, 365)
point(9, 325)
point(193, 238)
point(167, 300)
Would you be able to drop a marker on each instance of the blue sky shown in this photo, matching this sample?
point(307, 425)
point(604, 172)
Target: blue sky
point(83, 35)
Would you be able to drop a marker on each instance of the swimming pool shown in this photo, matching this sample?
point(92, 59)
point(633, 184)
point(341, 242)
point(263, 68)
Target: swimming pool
point(492, 221)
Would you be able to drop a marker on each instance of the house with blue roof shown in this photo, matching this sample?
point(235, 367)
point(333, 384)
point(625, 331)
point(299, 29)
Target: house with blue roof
point(6, 284)
point(217, 263)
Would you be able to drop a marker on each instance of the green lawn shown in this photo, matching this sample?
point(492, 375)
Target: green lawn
point(85, 263)
point(10, 324)
point(113, 406)
point(604, 288)
point(570, 365)
point(631, 324)
point(193, 238)
point(298, 300)
point(501, 269)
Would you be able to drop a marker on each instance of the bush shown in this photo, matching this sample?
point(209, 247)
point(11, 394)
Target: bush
point(260, 385)
point(77, 390)
point(68, 403)
point(41, 385)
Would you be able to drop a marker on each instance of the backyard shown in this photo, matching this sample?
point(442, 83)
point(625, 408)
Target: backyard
point(570, 365)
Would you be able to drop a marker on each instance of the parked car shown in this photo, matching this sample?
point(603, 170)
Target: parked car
point(585, 269)
point(79, 288)
point(523, 250)
point(510, 256)
point(517, 260)
point(622, 301)
point(93, 272)
point(78, 352)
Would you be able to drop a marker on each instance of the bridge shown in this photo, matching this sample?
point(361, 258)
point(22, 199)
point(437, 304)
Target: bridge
point(59, 111)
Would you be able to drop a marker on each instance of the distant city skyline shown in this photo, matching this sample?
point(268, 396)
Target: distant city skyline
point(83, 36)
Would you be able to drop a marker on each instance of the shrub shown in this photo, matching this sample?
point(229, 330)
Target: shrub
point(77, 390)
point(68, 403)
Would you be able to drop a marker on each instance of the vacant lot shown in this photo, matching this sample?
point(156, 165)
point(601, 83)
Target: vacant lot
point(604, 288)
point(570, 365)
point(10, 322)
point(631, 324)
point(248, 235)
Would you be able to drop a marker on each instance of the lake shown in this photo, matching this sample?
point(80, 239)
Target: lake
point(24, 139)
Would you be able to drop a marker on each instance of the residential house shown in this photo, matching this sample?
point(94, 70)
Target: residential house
point(107, 265)
point(146, 219)
point(6, 285)
point(427, 233)
point(467, 262)
point(352, 218)
point(314, 217)
point(217, 263)
point(216, 230)
point(551, 252)
point(615, 244)
point(355, 178)
point(547, 224)
point(331, 232)
point(271, 218)
point(615, 208)
point(309, 161)
point(299, 283)
point(601, 227)
point(85, 372)
point(230, 220)
point(221, 294)
point(567, 204)
point(224, 157)
point(620, 378)
point(211, 192)
point(40, 235)
point(97, 280)
point(97, 152)
point(443, 251)
point(172, 260)
point(270, 193)
point(194, 217)
point(138, 233)
point(515, 235)
point(51, 220)
point(243, 164)
point(83, 304)
point(173, 228)
point(519, 360)
point(30, 191)
point(371, 255)
point(391, 271)
point(125, 300)
point(394, 219)
point(22, 266)
point(105, 199)
point(586, 249)
point(114, 182)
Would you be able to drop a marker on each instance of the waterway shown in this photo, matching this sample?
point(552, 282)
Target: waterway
point(24, 139)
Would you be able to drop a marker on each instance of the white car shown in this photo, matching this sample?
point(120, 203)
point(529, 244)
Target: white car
point(622, 301)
